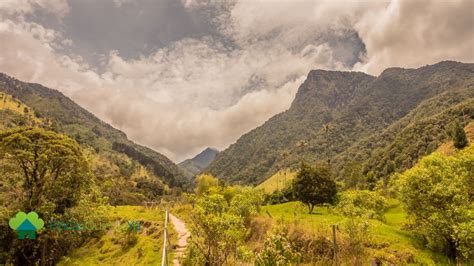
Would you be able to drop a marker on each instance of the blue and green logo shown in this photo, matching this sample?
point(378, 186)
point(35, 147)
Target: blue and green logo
point(26, 224)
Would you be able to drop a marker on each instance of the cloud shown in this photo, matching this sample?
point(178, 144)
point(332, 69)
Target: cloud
point(58, 8)
point(415, 33)
point(208, 90)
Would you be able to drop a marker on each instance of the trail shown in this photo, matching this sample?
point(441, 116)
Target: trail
point(183, 235)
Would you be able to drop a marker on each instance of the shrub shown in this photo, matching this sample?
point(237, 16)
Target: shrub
point(362, 203)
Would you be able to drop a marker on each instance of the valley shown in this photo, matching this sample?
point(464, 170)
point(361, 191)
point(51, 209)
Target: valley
point(384, 165)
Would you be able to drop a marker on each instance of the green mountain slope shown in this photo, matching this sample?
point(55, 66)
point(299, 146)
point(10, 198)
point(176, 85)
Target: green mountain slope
point(110, 146)
point(381, 124)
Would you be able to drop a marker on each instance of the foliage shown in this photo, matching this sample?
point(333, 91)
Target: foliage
point(458, 135)
point(437, 194)
point(278, 250)
point(121, 245)
point(389, 241)
point(218, 224)
point(362, 203)
point(314, 186)
point(52, 166)
point(290, 244)
point(280, 196)
point(204, 183)
point(358, 235)
point(385, 123)
point(47, 173)
point(52, 110)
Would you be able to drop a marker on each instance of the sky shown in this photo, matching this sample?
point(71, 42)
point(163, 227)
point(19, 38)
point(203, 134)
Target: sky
point(182, 75)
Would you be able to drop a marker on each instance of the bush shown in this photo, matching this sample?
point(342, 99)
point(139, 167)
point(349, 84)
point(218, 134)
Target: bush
point(278, 250)
point(362, 203)
point(218, 227)
point(290, 245)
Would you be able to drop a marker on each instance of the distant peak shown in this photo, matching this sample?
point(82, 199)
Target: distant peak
point(210, 149)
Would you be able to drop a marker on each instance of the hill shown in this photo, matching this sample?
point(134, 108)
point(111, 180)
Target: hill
point(358, 123)
point(119, 164)
point(198, 163)
point(278, 181)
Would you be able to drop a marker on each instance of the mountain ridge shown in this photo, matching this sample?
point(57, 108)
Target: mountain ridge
point(75, 121)
point(332, 110)
point(192, 167)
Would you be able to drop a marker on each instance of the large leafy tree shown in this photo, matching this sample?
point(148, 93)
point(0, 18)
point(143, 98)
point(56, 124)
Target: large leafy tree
point(52, 168)
point(314, 185)
point(45, 172)
point(438, 195)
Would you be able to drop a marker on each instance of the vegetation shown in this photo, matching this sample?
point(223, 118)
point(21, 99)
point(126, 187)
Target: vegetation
point(437, 194)
point(370, 180)
point(362, 203)
point(218, 226)
point(121, 244)
point(52, 110)
point(126, 173)
point(51, 168)
point(47, 173)
point(458, 135)
point(314, 186)
point(204, 183)
point(278, 181)
point(383, 123)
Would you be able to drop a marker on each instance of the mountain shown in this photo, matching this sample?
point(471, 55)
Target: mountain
point(115, 156)
point(357, 123)
point(198, 163)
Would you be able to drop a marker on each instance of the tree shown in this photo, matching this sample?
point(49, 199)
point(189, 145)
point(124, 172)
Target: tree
point(52, 167)
point(47, 173)
point(314, 186)
point(458, 135)
point(204, 182)
point(437, 194)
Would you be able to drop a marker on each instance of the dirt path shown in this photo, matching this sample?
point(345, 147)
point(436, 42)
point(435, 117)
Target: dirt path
point(183, 235)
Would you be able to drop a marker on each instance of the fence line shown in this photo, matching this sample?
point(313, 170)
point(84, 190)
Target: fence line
point(164, 258)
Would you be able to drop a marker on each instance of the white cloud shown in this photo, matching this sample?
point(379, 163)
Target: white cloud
point(415, 33)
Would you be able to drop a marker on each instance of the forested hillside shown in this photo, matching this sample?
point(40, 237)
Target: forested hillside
point(127, 172)
point(360, 125)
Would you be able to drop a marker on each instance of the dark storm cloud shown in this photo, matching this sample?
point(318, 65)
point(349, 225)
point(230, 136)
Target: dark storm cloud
point(133, 28)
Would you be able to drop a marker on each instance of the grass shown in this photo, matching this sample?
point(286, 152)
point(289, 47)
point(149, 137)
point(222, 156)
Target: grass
point(277, 181)
point(112, 248)
point(390, 239)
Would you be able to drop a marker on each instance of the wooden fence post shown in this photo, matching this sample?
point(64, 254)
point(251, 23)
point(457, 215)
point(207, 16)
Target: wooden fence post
point(334, 243)
point(164, 259)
